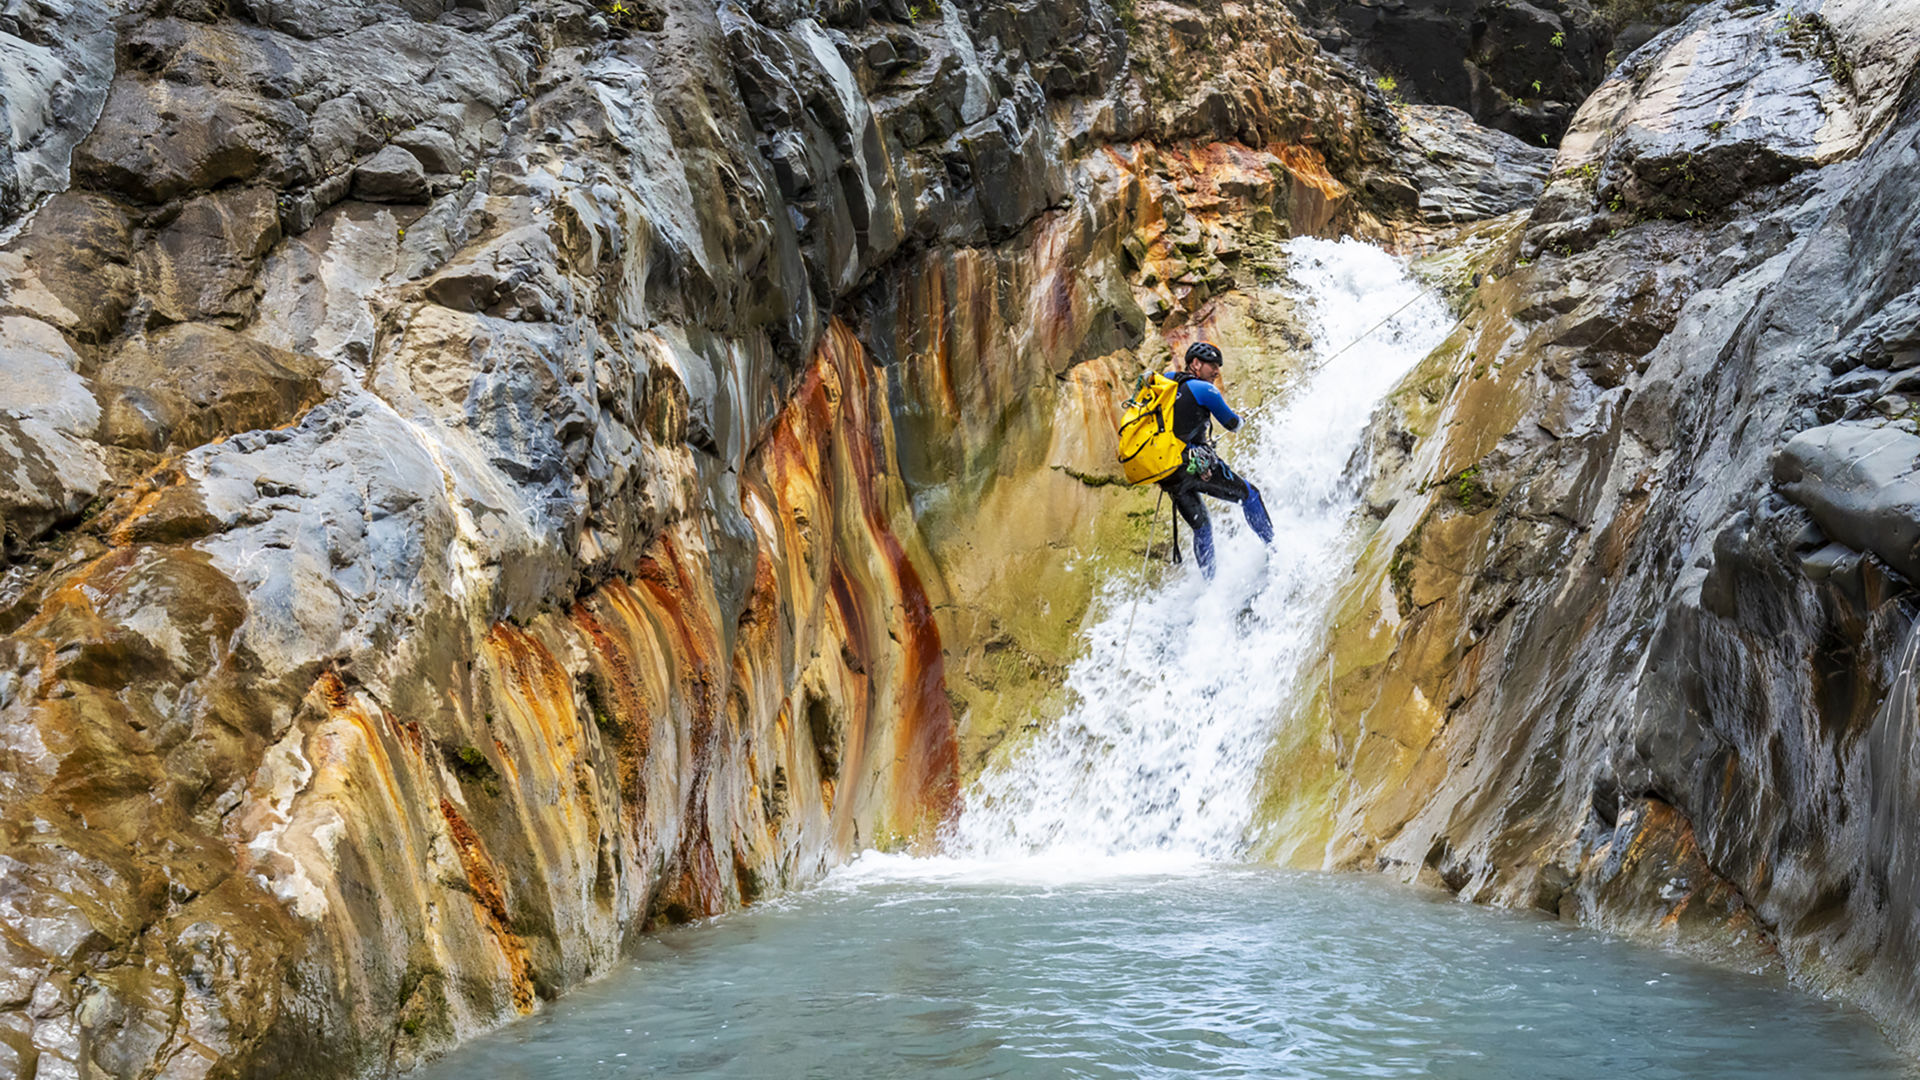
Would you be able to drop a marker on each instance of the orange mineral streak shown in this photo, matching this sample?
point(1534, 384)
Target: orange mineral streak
point(928, 293)
point(1317, 196)
point(353, 735)
point(538, 686)
point(926, 776)
point(627, 722)
point(484, 886)
point(693, 643)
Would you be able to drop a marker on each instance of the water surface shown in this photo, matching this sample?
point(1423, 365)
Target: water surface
point(927, 970)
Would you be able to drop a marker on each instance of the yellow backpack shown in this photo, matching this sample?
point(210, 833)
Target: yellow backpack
point(1149, 450)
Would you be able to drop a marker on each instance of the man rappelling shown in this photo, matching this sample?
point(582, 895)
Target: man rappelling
point(1165, 438)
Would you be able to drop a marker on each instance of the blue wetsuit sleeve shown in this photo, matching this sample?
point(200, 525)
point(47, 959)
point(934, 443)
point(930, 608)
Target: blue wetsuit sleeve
point(1208, 395)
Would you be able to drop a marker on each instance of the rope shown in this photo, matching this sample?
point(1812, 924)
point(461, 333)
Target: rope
point(1417, 297)
point(1145, 554)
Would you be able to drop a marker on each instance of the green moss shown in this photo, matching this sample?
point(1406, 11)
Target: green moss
point(1470, 491)
point(421, 1012)
point(1093, 480)
point(470, 764)
point(597, 706)
point(1400, 566)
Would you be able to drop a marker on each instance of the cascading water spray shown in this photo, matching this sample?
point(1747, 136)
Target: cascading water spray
point(1160, 751)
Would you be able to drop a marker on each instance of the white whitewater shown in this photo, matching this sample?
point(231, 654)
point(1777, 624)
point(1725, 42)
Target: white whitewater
point(1155, 763)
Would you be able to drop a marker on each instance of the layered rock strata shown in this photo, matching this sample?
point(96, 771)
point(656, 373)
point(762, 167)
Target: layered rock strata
point(1633, 641)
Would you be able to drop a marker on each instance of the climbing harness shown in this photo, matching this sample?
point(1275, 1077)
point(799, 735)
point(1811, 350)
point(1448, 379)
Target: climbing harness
point(1201, 460)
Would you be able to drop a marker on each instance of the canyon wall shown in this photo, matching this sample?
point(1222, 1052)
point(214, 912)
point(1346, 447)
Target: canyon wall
point(480, 480)
point(1632, 639)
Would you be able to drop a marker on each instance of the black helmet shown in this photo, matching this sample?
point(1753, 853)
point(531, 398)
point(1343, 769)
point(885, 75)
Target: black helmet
point(1200, 350)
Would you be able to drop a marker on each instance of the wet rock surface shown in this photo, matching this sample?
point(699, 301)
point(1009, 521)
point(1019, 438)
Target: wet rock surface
point(1632, 642)
point(479, 481)
point(56, 60)
point(1462, 172)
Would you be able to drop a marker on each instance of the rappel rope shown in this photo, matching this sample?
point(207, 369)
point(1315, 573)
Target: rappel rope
point(1419, 296)
point(1146, 553)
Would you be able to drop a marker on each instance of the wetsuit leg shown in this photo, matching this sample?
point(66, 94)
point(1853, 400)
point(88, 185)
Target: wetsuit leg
point(1256, 511)
point(1228, 485)
point(1185, 491)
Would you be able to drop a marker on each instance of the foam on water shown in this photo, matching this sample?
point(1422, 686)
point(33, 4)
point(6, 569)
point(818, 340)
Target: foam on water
point(1160, 751)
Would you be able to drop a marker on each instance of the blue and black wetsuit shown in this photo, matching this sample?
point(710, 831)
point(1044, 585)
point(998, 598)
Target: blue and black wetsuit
point(1195, 408)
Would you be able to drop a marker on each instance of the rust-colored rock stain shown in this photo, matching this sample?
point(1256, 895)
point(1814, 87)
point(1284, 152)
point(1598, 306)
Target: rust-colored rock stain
point(485, 888)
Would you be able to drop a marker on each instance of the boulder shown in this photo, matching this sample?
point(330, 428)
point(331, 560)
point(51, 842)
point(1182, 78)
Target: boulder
point(1862, 485)
point(434, 149)
point(190, 384)
point(392, 175)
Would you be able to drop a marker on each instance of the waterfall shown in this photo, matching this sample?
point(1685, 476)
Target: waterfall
point(1158, 752)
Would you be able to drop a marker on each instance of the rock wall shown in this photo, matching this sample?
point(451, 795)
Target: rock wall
point(1632, 641)
point(480, 480)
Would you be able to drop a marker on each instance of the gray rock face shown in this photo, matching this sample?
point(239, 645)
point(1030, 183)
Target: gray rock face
point(1742, 96)
point(1465, 172)
point(1674, 659)
point(49, 466)
point(1859, 482)
point(56, 59)
point(1521, 68)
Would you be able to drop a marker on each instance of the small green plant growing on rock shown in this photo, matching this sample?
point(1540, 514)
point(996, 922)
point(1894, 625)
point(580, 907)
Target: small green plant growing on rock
point(1811, 33)
point(596, 695)
point(1558, 41)
point(626, 17)
point(1390, 86)
point(1473, 494)
point(472, 766)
